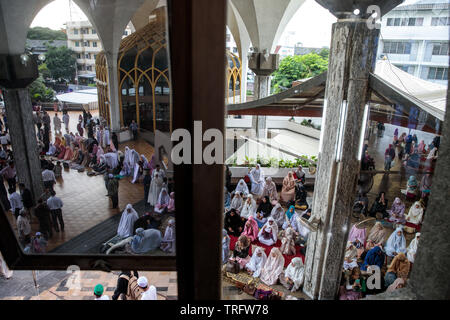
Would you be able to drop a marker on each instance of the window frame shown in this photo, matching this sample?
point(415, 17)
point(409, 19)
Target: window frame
point(197, 262)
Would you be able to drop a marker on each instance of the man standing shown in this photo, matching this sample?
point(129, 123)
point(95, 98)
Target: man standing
point(15, 201)
point(134, 129)
point(42, 212)
point(66, 119)
point(147, 182)
point(55, 204)
point(389, 156)
point(122, 284)
point(27, 198)
point(48, 176)
point(9, 173)
point(112, 185)
point(37, 120)
point(46, 139)
point(57, 124)
point(149, 292)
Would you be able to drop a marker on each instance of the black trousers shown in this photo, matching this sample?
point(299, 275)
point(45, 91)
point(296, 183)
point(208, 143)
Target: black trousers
point(12, 183)
point(135, 133)
point(57, 217)
point(115, 200)
point(49, 184)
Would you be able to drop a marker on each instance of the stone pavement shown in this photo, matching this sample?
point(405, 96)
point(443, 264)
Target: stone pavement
point(62, 285)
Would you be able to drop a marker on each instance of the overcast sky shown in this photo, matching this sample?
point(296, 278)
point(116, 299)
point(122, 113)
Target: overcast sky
point(312, 23)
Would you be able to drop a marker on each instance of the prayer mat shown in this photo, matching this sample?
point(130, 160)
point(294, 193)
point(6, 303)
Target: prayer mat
point(267, 249)
point(262, 286)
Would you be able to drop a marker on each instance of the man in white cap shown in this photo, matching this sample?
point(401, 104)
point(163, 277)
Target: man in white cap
point(149, 291)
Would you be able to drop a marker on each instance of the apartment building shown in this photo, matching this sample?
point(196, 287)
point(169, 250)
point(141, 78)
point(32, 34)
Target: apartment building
point(82, 38)
point(415, 38)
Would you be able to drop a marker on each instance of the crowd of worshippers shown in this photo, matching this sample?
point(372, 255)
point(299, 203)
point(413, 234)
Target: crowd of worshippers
point(256, 214)
point(130, 286)
point(394, 258)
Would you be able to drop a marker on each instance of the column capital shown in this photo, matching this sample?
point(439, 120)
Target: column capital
point(17, 71)
point(263, 64)
point(343, 9)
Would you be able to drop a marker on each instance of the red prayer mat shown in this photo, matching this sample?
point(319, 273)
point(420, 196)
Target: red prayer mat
point(287, 258)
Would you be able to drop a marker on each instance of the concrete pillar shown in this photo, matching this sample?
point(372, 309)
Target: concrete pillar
point(262, 64)
point(113, 87)
point(19, 113)
point(352, 58)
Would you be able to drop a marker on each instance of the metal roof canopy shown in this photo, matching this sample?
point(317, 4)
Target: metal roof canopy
point(387, 104)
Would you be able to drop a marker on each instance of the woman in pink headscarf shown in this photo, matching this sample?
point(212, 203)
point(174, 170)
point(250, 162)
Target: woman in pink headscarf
point(99, 153)
point(68, 154)
point(251, 229)
point(421, 147)
point(62, 153)
point(358, 238)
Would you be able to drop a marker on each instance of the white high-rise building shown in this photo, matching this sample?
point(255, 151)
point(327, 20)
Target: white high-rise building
point(415, 38)
point(83, 39)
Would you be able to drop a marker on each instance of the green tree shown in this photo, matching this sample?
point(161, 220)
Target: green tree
point(40, 33)
point(324, 53)
point(38, 91)
point(43, 71)
point(297, 67)
point(61, 63)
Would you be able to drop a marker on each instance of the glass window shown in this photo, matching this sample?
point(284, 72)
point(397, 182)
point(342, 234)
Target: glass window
point(75, 31)
point(396, 21)
point(86, 44)
point(161, 60)
point(162, 105)
point(390, 22)
point(77, 44)
point(94, 44)
point(145, 104)
point(94, 31)
point(435, 73)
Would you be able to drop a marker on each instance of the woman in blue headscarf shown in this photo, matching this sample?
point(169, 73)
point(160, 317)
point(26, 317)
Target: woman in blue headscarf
point(227, 198)
point(288, 215)
point(374, 257)
point(396, 243)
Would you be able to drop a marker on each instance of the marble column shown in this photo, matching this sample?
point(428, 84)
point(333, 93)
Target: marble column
point(113, 87)
point(262, 65)
point(352, 58)
point(19, 113)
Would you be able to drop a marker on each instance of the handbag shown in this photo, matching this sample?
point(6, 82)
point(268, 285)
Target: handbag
point(250, 289)
point(262, 294)
point(233, 266)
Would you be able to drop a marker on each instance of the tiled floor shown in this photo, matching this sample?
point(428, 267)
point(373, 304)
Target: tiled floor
point(84, 197)
point(59, 285)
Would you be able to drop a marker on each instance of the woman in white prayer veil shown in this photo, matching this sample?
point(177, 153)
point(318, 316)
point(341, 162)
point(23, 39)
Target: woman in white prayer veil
point(163, 201)
point(126, 163)
point(155, 188)
point(242, 187)
point(134, 163)
point(273, 267)
point(111, 159)
point(278, 214)
point(145, 163)
point(268, 234)
point(129, 217)
point(4, 270)
point(107, 140)
point(237, 202)
point(292, 278)
point(248, 208)
point(256, 176)
point(256, 263)
point(168, 241)
point(412, 248)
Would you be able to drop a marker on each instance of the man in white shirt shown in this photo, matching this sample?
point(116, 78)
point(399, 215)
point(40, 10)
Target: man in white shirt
point(98, 293)
point(15, 200)
point(149, 292)
point(55, 204)
point(48, 176)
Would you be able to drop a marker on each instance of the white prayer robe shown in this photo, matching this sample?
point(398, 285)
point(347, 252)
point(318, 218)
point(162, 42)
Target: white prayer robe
point(127, 221)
